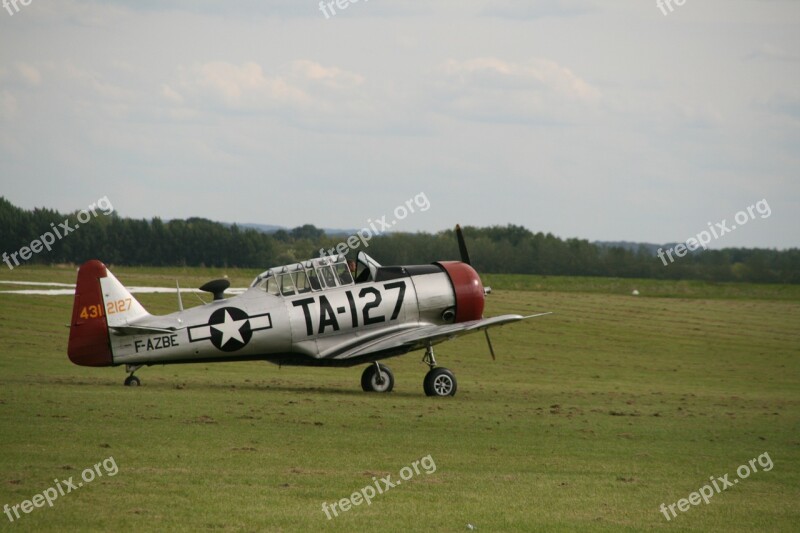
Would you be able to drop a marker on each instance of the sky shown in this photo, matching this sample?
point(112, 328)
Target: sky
point(603, 120)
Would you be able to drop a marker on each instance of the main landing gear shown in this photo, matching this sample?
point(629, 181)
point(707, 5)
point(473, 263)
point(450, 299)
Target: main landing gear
point(131, 380)
point(438, 381)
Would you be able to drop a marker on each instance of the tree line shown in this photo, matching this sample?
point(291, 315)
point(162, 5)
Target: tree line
point(497, 249)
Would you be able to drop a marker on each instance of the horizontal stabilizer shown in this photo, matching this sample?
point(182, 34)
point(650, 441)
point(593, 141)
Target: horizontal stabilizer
point(139, 330)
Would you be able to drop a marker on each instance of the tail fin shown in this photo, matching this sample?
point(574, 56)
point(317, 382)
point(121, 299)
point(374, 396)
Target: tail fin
point(101, 301)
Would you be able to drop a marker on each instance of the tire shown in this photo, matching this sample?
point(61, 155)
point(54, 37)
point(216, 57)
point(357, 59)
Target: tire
point(370, 382)
point(132, 381)
point(440, 382)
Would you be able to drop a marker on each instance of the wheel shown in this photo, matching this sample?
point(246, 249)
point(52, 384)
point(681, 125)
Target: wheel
point(132, 381)
point(371, 381)
point(440, 382)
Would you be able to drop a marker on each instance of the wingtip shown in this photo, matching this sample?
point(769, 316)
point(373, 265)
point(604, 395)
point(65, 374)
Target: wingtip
point(539, 314)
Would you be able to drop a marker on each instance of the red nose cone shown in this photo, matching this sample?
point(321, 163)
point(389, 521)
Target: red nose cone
point(468, 288)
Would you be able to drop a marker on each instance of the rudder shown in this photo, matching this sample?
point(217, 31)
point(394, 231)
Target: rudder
point(88, 331)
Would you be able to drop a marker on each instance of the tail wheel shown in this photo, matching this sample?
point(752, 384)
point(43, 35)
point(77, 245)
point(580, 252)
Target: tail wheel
point(377, 378)
point(440, 382)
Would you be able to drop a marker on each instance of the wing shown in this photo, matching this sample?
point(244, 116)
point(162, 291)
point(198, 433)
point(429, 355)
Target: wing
point(406, 340)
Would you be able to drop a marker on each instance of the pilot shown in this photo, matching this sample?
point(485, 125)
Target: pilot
point(364, 276)
point(312, 279)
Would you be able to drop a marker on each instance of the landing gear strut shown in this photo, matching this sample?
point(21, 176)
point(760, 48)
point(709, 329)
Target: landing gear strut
point(438, 381)
point(131, 380)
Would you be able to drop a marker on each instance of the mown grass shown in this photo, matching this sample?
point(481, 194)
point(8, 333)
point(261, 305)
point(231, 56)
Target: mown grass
point(589, 420)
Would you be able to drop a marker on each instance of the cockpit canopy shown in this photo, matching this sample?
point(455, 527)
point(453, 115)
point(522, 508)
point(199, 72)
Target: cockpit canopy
point(313, 275)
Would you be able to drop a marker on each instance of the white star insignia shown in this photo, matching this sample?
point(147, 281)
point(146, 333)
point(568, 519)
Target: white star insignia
point(230, 329)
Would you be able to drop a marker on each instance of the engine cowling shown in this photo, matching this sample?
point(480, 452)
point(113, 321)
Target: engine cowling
point(468, 290)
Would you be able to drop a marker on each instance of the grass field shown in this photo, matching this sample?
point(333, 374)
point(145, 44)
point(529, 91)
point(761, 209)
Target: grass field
point(590, 419)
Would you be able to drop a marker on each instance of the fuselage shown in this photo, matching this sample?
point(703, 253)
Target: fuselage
point(311, 313)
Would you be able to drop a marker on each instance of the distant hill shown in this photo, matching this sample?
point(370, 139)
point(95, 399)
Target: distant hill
point(263, 228)
point(634, 246)
point(271, 228)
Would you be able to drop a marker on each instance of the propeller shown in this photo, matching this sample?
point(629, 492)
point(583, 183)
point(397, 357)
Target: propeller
point(489, 342)
point(462, 246)
point(462, 249)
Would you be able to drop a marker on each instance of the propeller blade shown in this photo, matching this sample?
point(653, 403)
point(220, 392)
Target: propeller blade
point(462, 246)
point(489, 342)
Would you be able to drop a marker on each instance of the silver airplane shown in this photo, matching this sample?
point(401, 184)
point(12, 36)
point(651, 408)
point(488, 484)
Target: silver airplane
point(314, 313)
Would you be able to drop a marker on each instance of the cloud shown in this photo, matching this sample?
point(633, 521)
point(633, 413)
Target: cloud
point(234, 87)
point(331, 77)
point(29, 74)
point(171, 95)
point(491, 89)
point(302, 90)
point(21, 74)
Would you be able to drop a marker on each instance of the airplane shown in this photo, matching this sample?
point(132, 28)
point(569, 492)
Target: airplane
point(311, 313)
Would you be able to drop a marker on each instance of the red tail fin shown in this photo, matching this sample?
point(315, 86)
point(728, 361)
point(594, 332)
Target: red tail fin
point(88, 332)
